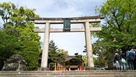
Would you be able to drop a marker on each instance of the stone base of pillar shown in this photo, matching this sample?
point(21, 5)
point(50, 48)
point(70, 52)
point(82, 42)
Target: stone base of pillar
point(91, 68)
point(43, 69)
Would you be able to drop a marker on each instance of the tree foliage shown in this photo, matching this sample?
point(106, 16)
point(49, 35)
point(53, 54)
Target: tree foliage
point(78, 59)
point(85, 61)
point(56, 55)
point(8, 45)
point(118, 31)
point(17, 24)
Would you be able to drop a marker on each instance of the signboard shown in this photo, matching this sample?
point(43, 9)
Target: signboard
point(66, 25)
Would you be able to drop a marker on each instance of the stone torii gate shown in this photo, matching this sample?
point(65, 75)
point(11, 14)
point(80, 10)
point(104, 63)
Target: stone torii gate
point(75, 20)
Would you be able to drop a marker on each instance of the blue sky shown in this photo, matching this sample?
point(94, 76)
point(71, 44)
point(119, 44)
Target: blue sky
point(72, 42)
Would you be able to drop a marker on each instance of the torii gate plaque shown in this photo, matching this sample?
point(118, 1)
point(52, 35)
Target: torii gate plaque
point(87, 28)
point(66, 25)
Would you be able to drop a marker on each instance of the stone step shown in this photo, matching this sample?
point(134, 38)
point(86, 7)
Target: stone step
point(62, 73)
point(94, 73)
point(68, 76)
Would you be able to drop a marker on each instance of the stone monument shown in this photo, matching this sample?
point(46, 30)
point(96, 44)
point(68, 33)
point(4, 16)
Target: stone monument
point(15, 63)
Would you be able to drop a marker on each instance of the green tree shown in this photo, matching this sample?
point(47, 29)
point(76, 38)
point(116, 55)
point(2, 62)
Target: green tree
point(78, 59)
point(103, 53)
point(118, 31)
point(17, 23)
point(8, 45)
point(55, 54)
point(85, 61)
point(62, 51)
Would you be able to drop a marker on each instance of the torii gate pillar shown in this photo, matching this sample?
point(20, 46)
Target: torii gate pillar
point(44, 60)
point(89, 46)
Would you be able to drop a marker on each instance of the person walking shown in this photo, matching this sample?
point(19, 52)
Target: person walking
point(116, 61)
point(135, 59)
point(123, 61)
point(130, 54)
